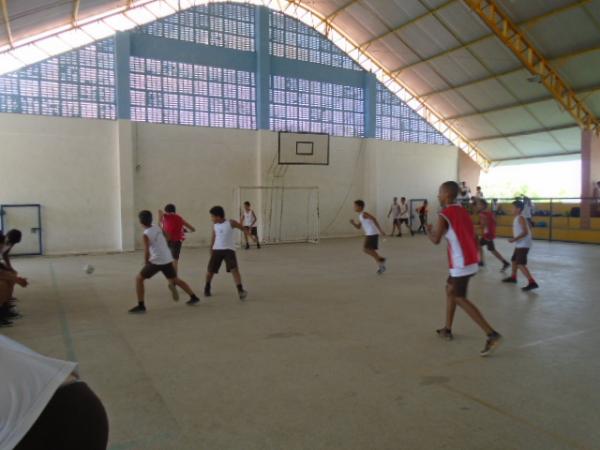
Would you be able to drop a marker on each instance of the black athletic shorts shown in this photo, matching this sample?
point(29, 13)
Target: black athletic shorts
point(404, 221)
point(396, 222)
point(218, 256)
point(150, 270)
point(520, 256)
point(489, 243)
point(253, 230)
point(372, 242)
point(73, 419)
point(458, 286)
point(175, 247)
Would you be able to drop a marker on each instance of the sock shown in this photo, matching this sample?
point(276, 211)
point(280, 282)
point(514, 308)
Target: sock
point(207, 287)
point(240, 288)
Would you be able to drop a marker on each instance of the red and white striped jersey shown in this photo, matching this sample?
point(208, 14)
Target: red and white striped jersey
point(463, 254)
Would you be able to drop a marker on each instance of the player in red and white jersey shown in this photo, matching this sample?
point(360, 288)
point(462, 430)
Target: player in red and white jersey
point(487, 232)
point(455, 224)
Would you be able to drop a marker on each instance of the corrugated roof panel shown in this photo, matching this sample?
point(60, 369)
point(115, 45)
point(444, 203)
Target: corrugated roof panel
point(393, 53)
point(513, 120)
point(476, 127)
point(463, 22)
point(519, 84)
point(395, 12)
point(499, 149)
point(550, 113)
point(495, 55)
point(563, 33)
point(569, 138)
point(523, 10)
point(582, 71)
point(537, 144)
point(450, 104)
point(428, 37)
point(360, 31)
point(488, 95)
point(593, 102)
point(327, 7)
point(422, 79)
point(459, 67)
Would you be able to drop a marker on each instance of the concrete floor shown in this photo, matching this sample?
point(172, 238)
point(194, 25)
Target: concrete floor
point(327, 355)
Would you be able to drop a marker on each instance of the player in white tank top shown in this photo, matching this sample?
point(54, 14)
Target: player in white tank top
point(223, 250)
point(523, 240)
point(248, 220)
point(372, 232)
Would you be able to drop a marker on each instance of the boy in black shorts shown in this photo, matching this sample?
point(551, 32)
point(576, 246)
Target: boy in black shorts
point(248, 220)
point(223, 249)
point(157, 258)
point(372, 231)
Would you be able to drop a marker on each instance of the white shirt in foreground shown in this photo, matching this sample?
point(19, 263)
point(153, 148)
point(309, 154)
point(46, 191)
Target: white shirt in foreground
point(28, 381)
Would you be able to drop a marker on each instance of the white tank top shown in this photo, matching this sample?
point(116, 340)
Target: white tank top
point(368, 225)
point(223, 236)
point(248, 218)
point(160, 254)
point(527, 241)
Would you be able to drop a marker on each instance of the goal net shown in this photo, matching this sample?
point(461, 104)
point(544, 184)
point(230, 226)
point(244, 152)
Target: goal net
point(285, 214)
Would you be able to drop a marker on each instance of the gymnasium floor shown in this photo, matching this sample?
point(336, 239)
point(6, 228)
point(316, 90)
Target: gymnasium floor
point(327, 355)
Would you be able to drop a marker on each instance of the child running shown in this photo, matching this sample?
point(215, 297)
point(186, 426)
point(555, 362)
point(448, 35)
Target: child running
point(487, 227)
point(372, 231)
point(395, 213)
point(454, 223)
point(423, 211)
point(523, 242)
point(174, 227)
point(157, 258)
point(249, 220)
point(223, 249)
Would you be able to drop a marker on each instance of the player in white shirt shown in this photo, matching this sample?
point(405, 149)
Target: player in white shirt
point(372, 231)
point(222, 248)
point(248, 220)
point(404, 217)
point(157, 258)
point(523, 241)
point(45, 405)
point(395, 213)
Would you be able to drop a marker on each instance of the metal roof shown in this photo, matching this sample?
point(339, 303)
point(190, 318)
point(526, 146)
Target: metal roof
point(447, 56)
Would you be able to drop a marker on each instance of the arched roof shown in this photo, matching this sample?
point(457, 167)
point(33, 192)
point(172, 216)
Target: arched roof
point(439, 50)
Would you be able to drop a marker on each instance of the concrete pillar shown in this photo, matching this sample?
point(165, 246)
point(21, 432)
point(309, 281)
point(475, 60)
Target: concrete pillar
point(125, 142)
point(263, 67)
point(370, 88)
point(590, 173)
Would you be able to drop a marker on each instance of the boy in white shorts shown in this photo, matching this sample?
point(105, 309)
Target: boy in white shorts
point(248, 220)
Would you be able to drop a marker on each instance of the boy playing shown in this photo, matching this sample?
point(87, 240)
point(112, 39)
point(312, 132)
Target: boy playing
point(454, 223)
point(372, 231)
point(395, 213)
point(249, 220)
point(157, 258)
point(404, 217)
point(223, 249)
point(487, 227)
point(8, 278)
point(523, 242)
point(174, 227)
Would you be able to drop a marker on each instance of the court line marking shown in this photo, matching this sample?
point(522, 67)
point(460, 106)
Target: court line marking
point(523, 421)
point(62, 317)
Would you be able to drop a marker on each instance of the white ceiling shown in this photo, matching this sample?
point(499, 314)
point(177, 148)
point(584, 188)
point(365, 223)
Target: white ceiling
point(446, 55)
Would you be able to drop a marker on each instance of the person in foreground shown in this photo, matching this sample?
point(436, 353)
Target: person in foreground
point(372, 231)
point(157, 258)
point(454, 223)
point(222, 248)
point(45, 406)
point(523, 241)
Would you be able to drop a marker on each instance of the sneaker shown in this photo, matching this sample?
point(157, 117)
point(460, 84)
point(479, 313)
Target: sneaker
point(11, 315)
point(139, 309)
point(509, 280)
point(174, 292)
point(504, 267)
point(530, 287)
point(243, 295)
point(445, 333)
point(491, 344)
point(5, 323)
point(258, 246)
point(382, 267)
point(193, 301)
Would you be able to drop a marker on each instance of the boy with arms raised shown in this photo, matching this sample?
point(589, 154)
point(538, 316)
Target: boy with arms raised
point(157, 258)
point(372, 231)
point(454, 224)
point(223, 249)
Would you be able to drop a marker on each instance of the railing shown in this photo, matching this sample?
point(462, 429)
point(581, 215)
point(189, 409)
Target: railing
point(572, 219)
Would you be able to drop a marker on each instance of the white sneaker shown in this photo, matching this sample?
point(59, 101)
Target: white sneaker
point(243, 295)
point(174, 292)
point(381, 269)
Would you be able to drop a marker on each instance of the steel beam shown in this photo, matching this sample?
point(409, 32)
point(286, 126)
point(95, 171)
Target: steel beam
point(499, 22)
point(7, 22)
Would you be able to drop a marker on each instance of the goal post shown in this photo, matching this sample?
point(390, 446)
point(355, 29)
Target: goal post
point(286, 214)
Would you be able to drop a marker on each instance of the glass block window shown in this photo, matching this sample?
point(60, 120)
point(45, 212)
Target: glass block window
point(220, 24)
point(80, 83)
point(188, 94)
point(396, 121)
point(289, 38)
point(316, 107)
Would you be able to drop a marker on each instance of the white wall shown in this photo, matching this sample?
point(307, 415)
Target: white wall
point(80, 171)
point(68, 166)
